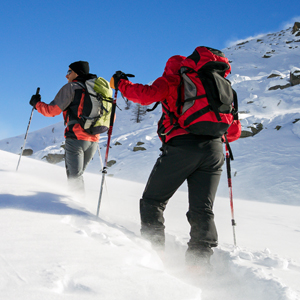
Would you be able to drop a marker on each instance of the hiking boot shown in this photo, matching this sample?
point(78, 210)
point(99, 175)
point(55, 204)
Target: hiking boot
point(198, 261)
point(155, 235)
point(199, 267)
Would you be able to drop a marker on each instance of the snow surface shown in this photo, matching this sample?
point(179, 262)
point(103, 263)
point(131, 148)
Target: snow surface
point(54, 247)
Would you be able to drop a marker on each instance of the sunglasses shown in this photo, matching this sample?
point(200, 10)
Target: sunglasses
point(69, 72)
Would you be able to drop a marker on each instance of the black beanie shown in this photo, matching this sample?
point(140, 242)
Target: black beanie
point(80, 67)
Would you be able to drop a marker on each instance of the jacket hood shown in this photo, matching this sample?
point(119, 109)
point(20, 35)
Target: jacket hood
point(173, 65)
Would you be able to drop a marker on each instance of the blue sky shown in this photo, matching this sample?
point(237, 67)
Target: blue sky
point(39, 39)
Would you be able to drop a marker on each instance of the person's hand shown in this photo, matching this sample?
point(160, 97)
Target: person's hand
point(34, 100)
point(114, 81)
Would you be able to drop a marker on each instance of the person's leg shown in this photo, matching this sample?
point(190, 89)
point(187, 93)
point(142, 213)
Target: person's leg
point(202, 185)
point(74, 161)
point(89, 149)
point(169, 172)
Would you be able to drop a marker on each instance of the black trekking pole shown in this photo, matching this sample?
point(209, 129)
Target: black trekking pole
point(22, 149)
point(104, 170)
point(233, 223)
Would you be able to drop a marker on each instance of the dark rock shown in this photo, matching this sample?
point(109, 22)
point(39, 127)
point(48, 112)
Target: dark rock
point(54, 158)
point(27, 152)
point(111, 163)
point(273, 75)
point(139, 149)
point(245, 134)
point(295, 77)
point(276, 87)
point(296, 27)
point(258, 127)
point(243, 43)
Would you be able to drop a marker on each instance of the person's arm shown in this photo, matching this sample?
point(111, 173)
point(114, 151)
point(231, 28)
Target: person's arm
point(61, 101)
point(144, 94)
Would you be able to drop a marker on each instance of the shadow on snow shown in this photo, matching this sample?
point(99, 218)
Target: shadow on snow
point(41, 203)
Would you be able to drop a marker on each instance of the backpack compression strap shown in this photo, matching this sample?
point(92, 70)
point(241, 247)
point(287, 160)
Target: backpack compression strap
point(210, 87)
point(235, 103)
point(180, 103)
point(73, 122)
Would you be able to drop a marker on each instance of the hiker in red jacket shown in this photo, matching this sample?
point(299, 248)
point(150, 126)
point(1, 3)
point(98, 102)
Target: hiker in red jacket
point(80, 146)
point(185, 156)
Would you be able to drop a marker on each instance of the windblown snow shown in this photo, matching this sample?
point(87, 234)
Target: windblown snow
point(54, 247)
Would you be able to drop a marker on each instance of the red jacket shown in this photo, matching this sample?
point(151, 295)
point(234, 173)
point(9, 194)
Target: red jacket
point(164, 89)
point(60, 104)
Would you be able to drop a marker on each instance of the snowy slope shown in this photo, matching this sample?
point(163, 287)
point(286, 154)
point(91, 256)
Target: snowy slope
point(275, 150)
point(53, 246)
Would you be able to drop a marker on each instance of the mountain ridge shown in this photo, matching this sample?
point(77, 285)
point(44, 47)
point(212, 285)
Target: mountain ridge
point(269, 108)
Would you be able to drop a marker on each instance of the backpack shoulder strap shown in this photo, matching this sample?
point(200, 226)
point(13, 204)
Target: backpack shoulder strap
point(81, 84)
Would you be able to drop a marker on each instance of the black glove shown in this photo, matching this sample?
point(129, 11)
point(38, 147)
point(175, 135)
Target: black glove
point(34, 100)
point(114, 82)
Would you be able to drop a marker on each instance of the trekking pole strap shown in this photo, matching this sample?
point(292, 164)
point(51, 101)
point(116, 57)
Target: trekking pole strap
point(228, 147)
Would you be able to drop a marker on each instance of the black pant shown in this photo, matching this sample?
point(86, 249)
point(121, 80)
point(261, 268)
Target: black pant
point(198, 160)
